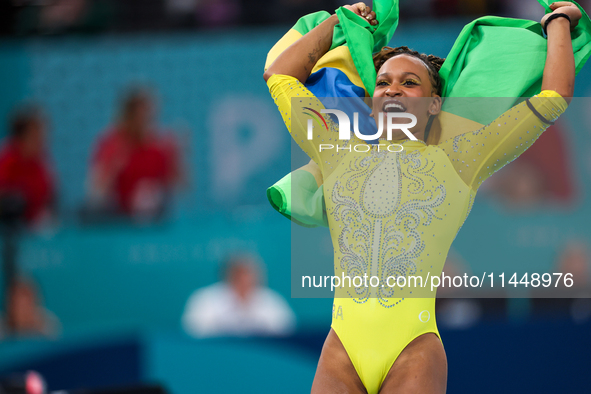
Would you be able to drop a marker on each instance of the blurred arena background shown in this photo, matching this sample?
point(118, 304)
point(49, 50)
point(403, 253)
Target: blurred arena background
point(99, 284)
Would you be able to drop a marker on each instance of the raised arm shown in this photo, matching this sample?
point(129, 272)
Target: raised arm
point(559, 72)
point(299, 59)
point(477, 155)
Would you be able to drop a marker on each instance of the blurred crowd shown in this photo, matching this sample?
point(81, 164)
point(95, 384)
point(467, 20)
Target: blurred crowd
point(31, 17)
point(132, 173)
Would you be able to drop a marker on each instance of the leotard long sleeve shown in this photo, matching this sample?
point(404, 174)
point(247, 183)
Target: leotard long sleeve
point(396, 214)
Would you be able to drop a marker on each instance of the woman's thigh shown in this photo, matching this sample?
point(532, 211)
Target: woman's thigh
point(420, 368)
point(335, 372)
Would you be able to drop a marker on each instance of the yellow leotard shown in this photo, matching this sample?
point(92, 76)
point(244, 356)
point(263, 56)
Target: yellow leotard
point(393, 214)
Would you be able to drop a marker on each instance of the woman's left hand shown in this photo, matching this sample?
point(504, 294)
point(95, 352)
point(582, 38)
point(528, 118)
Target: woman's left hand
point(565, 7)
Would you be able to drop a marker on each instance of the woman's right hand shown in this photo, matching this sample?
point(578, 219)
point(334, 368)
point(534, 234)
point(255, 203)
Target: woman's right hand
point(363, 11)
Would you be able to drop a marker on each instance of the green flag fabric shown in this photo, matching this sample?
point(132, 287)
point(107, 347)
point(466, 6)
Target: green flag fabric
point(502, 57)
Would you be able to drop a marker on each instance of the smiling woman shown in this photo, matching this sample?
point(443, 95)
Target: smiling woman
point(395, 214)
point(404, 72)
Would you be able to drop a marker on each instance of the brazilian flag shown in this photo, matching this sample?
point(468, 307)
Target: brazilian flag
point(334, 75)
point(492, 57)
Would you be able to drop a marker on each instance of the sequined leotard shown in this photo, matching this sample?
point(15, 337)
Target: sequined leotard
point(396, 214)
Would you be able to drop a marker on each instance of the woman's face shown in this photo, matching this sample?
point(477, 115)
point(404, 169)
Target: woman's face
point(403, 85)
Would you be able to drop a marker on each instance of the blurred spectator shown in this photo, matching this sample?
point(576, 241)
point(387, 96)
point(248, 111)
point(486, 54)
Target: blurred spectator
point(240, 305)
point(541, 175)
point(25, 314)
point(63, 16)
point(134, 169)
point(25, 176)
point(521, 187)
point(219, 12)
point(209, 13)
point(183, 13)
point(574, 259)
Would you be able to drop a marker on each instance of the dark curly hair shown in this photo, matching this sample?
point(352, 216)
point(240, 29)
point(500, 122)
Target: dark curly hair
point(432, 62)
point(23, 117)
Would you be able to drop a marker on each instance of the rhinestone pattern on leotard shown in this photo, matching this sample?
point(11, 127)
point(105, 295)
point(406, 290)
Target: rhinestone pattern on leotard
point(379, 233)
point(396, 214)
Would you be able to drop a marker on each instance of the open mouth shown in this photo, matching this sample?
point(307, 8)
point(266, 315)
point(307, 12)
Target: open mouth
point(393, 106)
